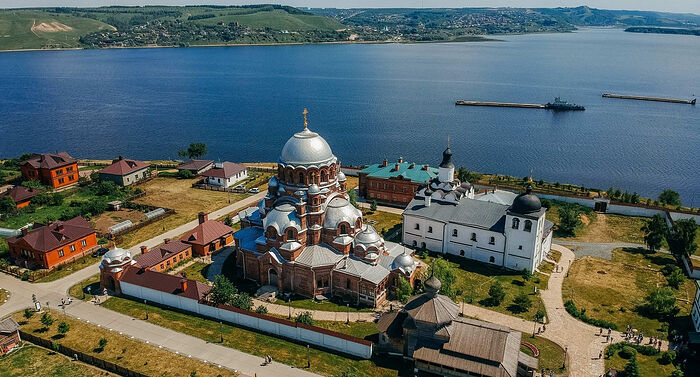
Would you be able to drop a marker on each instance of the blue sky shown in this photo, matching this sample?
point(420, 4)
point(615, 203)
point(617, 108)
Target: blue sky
point(690, 6)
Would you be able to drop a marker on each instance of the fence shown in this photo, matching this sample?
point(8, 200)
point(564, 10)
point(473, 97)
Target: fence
point(294, 331)
point(88, 359)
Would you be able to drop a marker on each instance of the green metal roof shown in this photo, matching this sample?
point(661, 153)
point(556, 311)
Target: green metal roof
point(415, 174)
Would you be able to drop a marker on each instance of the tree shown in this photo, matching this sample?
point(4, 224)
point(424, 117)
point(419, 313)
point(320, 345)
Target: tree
point(568, 220)
point(670, 197)
point(526, 274)
point(496, 293)
point(28, 313)
point(677, 373)
point(681, 239)
point(195, 150)
point(655, 230)
point(661, 302)
point(521, 303)
point(373, 206)
point(63, 328)
point(222, 291)
point(632, 368)
point(676, 278)
point(7, 205)
point(403, 290)
point(261, 309)
point(95, 176)
point(228, 221)
point(101, 344)
point(304, 318)
point(241, 300)
point(445, 272)
point(539, 316)
point(353, 197)
point(185, 174)
point(46, 320)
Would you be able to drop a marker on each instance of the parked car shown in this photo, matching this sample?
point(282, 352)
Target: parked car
point(254, 190)
point(100, 252)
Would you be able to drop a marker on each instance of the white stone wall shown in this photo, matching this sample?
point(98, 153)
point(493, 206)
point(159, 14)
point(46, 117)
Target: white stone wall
point(270, 327)
point(432, 239)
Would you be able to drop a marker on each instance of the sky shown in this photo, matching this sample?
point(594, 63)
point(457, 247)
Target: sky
point(679, 6)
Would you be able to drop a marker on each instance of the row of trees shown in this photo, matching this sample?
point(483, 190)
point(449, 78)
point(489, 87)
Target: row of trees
point(680, 238)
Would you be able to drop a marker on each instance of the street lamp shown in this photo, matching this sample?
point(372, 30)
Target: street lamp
point(348, 311)
point(289, 307)
point(144, 302)
point(82, 289)
point(308, 358)
point(221, 331)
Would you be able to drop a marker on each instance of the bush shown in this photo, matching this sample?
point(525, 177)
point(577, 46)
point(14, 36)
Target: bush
point(676, 278)
point(574, 311)
point(627, 352)
point(304, 318)
point(526, 274)
point(261, 309)
point(667, 357)
point(185, 174)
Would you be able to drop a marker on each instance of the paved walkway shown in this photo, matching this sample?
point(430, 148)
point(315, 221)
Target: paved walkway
point(595, 249)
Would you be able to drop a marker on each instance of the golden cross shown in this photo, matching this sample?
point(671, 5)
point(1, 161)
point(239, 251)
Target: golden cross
point(306, 123)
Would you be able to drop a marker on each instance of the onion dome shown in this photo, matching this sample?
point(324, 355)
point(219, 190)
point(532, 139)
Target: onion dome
point(116, 256)
point(368, 237)
point(404, 262)
point(432, 308)
point(282, 217)
point(306, 148)
point(340, 210)
point(526, 202)
point(341, 176)
point(314, 189)
point(433, 285)
point(273, 182)
point(447, 159)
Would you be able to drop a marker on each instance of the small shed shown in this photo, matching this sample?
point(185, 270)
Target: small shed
point(115, 205)
point(9, 335)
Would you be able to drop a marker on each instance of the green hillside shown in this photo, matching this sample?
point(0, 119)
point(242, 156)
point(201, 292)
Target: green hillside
point(25, 29)
point(277, 19)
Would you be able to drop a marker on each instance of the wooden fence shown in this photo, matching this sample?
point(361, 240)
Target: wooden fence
point(88, 359)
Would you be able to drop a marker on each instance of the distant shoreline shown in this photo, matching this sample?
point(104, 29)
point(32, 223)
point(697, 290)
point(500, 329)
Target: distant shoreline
point(475, 39)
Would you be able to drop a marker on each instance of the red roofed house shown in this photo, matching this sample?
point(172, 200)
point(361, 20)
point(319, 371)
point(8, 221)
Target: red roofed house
point(164, 257)
point(51, 245)
point(196, 166)
point(55, 170)
point(209, 236)
point(125, 172)
point(21, 195)
point(225, 174)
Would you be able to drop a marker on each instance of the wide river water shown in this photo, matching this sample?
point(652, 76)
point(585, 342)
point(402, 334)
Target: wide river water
point(377, 101)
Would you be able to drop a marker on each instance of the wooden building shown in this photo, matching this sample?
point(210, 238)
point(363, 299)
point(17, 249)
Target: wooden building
point(9, 335)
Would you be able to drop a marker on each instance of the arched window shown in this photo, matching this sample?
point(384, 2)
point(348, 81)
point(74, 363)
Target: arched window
point(461, 252)
point(516, 223)
point(492, 260)
point(417, 226)
point(347, 284)
point(301, 177)
point(474, 237)
point(324, 176)
point(454, 232)
point(271, 233)
point(290, 234)
point(492, 240)
point(343, 229)
point(422, 245)
point(528, 226)
point(415, 243)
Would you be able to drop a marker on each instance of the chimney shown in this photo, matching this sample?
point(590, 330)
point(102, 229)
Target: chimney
point(425, 167)
point(166, 241)
point(412, 166)
point(385, 163)
point(144, 249)
point(396, 167)
point(400, 160)
point(203, 217)
point(183, 284)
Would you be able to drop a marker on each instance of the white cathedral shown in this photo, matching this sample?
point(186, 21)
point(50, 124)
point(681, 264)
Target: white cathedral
point(496, 227)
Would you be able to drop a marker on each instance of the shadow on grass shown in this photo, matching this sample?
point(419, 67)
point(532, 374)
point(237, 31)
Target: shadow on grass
point(488, 302)
point(58, 336)
point(519, 283)
point(654, 258)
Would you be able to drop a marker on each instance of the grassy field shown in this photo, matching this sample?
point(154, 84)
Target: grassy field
point(69, 268)
point(120, 349)
point(77, 290)
point(324, 363)
point(329, 306)
point(27, 29)
point(179, 195)
point(475, 278)
point(648, 365)
point(384, 221)
point(551, 355)
point(597, 227)
point(32, 361)
point(613, 290)
point(352, 182)
point(276, 19)
point(196, 271)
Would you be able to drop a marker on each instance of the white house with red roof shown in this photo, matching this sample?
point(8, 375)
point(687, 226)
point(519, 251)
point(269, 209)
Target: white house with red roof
point(125, 171)
point(225, 174)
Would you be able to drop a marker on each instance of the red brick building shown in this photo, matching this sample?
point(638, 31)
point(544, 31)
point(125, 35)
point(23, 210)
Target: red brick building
point(209, 236)
point(22, 196)
point(164, 257)
point(53, 170)
point(9, 335)
point(394, 183)
point(51, 245)
point(306, 238)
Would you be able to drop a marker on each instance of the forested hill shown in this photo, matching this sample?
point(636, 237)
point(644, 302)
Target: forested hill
point(119, 26)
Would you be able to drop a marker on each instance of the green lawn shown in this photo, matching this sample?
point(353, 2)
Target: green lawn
point(551, 355)
point(475, 278)
point(363, 330)
point(196, 271)
point(69, 268)
point(324, 363)
point(329, 306)
point(613, 290)
point(33, 361)
point(275, 19)
point(93, 282)
point(384, 222)
point(50, 29)
point(648, 365)
point(4, 248)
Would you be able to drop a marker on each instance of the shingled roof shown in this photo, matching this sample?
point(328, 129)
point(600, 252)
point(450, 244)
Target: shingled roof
point(8, 325)
point(21, 193)
point(227, 170)
point(195, 164)
point(206, 232)
point(153, 257)
point(57, 234)
point(50, 160)
point(124, 166)
point(165, 283)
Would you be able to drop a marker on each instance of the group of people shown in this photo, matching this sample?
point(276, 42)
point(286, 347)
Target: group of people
point(540, 330)
point(630, 336)
point(268, 360)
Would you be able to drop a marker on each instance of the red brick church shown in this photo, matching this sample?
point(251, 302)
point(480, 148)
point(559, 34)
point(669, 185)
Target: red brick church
point(305, 237)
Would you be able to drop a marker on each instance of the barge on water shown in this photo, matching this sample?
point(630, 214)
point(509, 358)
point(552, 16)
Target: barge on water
point(557, 105)
point(655, 99)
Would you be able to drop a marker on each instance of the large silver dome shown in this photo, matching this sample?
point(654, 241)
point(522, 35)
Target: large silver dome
point(339, 210)
point(116, 256)
point(368, 237)
point(306, 148)
point(282, 217)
